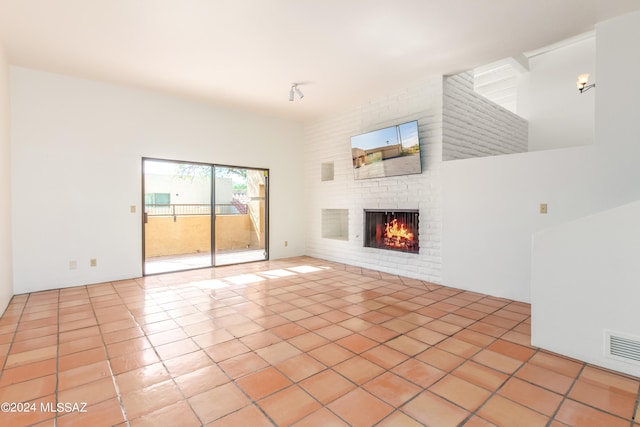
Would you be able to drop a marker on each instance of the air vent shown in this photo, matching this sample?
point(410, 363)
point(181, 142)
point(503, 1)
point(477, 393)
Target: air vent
point(622, 347)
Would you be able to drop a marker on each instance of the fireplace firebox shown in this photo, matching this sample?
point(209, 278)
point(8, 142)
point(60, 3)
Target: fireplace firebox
point(392, 230)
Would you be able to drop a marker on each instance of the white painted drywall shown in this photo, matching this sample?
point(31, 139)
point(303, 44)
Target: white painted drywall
point(6, 275)
point(491, 207)
point(585, 281)
point(585, 273)
point(559, 116)
point(617, 126)
point(77, 148)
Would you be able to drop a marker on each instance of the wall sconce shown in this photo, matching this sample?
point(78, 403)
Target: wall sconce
point(295, 90)
point(583, 79)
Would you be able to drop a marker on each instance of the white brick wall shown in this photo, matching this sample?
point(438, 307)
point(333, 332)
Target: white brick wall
point(328, 140)
point(474, 126)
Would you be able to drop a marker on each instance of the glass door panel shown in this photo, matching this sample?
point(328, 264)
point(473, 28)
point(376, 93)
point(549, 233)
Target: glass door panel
point(177, 215)
point(240, 215)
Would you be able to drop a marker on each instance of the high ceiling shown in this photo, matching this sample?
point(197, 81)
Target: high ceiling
point(246, 53)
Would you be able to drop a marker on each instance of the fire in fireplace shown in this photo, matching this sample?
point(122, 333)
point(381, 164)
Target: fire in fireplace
point(393, 230)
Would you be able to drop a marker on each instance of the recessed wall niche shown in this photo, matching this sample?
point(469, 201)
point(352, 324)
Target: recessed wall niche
point(335, 224)
point(326, 172)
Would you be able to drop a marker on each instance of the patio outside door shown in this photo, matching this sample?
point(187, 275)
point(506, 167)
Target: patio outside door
point(240, 215)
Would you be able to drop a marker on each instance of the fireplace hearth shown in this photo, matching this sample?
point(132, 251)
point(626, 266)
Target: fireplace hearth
point(392, 230)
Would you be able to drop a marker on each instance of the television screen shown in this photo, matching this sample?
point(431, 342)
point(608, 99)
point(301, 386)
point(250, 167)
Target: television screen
point(391, 151)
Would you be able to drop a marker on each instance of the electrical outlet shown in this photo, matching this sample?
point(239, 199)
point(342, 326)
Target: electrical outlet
point(543, 208)
point(93, 262)
point(286, 243)
point(73, 265)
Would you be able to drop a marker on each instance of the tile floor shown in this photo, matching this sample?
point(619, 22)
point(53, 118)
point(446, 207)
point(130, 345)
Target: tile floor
point(298, 342)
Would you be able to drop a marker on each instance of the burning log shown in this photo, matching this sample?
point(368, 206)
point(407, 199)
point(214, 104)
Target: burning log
point(397, 235)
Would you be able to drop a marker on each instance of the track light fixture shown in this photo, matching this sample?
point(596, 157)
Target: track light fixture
point(295, 90)
point(583, 79)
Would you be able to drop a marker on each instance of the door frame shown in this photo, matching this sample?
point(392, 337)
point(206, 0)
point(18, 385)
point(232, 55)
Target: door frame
point(266, 213)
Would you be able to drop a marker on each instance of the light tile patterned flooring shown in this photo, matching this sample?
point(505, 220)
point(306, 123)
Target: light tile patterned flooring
point(299, 341)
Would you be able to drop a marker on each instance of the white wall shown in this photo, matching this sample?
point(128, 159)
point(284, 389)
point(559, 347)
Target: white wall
point(491, 207)
point(585, 281)
point(559, 116)
point(327, 140)
point(76, 156)
point(617, 126)
point(490, 212)
point(585, 273)
point(6, 276)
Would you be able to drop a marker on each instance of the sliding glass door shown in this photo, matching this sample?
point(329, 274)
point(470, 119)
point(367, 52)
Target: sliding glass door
point(240, 215)
point(177, 215)
point(201, 215)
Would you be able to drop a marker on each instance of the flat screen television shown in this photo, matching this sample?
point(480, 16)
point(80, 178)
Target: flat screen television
point(394, 150)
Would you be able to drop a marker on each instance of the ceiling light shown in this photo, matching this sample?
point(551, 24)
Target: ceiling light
point(295, 90)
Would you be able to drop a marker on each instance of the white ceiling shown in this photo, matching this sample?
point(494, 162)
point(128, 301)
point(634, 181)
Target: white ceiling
point(246, 53)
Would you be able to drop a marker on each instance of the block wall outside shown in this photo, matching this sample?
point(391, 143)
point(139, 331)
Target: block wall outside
point(474, 126)
point(192, 234)
point(327, 141)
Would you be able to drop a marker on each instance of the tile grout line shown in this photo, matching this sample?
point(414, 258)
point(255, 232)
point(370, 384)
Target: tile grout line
point(200, 348)
point(495, 391)
point(106, 351)
point(55, 417)
point(510, 376)
point(636, 409)
point(297, 383)
point(331, 368)
point(485, 347)
point(565, 396)
point(13, 338)
point(327, 368)
point(155, 351)
point(471, 413)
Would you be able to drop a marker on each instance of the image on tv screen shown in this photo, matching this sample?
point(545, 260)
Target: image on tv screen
point(391, 151)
